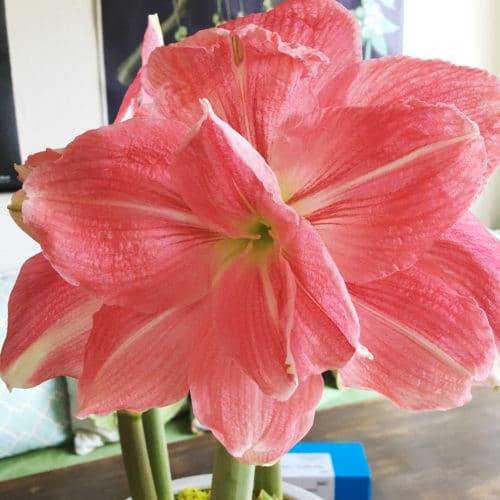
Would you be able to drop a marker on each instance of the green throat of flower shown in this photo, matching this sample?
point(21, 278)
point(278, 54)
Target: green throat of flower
point(254, 249)
point(263, 245)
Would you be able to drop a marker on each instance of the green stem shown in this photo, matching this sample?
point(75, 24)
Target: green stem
point(228, 10)
point(269, 480)
point(135, 456)
point(157, 451)
point(231, 479)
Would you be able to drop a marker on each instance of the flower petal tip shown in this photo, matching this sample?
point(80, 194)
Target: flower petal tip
point(22, 171)
point(153, 37)
point(206, 107)
point(493, 378)
point(9, 387)
point(154, 21)
point(10, 378)
point(285, 395)
point(363, 352)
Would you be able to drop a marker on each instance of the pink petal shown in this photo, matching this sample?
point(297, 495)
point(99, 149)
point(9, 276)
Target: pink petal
point(325, 329)
point(43, 158)
point(429, 345)
point(253, 427)
point(131, 100)
point(324, 25)
point(22, 171)
point(226, 183)
point(253, 314)
point(136, 361)
point(475, 92)
point(379, 195)
point(252, 79)
point(16, 212)
point(106, 218)
point(467, 259)
point(135, 96)
point(49, 323)
point(153, 38)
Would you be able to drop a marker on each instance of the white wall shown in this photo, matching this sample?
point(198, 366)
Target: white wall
point(56, 70)
point(465, 32)
point(58, 81)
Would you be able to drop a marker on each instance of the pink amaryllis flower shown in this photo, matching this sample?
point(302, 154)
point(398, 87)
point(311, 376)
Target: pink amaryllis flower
point(275, 194)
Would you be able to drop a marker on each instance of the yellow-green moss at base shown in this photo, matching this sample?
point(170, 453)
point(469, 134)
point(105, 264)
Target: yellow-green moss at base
point(204, 494)
point(193, 494)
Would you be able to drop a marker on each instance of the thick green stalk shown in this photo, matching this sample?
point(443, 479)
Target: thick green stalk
point(231, 479)
point(157, 451)
point(135, 456)
point(269, 480)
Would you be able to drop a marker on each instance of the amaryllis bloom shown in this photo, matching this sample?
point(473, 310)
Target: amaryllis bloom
point(275, 208)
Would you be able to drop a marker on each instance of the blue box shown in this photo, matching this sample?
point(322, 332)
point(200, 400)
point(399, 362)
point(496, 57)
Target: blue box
point(351, 472)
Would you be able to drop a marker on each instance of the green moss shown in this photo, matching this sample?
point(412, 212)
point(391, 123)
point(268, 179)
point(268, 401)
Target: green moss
point(193, 494)
point(204, 494)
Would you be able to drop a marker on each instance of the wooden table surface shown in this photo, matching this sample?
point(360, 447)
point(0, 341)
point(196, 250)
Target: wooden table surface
point(451, 455)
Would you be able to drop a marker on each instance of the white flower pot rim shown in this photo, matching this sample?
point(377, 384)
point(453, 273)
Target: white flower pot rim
point(204, 480)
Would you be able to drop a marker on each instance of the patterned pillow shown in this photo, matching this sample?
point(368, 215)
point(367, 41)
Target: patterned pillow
point(31, 418)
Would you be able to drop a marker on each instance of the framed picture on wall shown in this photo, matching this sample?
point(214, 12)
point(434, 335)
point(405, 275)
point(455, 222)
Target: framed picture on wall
point(123, 25)
point(9, 144)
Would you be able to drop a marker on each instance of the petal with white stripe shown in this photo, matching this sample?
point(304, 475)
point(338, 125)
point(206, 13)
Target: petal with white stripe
point(429, 345)
point(252, 426)
point(49, 323)
point(137, 361)
point(107, 218)
point(380, 184)
point(467, 258)
point(254, 307)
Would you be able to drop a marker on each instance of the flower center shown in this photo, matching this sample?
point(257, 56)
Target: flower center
point(261, 245)
point(255, 249)
point(264, 241)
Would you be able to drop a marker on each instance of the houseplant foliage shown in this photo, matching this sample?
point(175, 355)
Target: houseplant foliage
point(267, 206)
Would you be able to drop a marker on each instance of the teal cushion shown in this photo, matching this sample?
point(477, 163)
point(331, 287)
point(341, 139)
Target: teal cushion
point(30, 418)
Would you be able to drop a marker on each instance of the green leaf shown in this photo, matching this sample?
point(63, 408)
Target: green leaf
point(267, 5)
point(181, 33)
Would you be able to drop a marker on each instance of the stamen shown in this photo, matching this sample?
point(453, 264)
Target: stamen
point(237, 50)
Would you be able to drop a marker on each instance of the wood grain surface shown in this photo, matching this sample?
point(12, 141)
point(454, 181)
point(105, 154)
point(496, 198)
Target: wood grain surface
point(452, 455)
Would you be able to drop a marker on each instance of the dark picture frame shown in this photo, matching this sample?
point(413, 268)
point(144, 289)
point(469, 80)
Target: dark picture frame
point(123, 25)
point(9, 142)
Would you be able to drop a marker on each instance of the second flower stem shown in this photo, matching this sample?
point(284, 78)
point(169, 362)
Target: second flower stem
point(268, 478)
point(157, 451)
point(135, 456)
point(231, 479)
